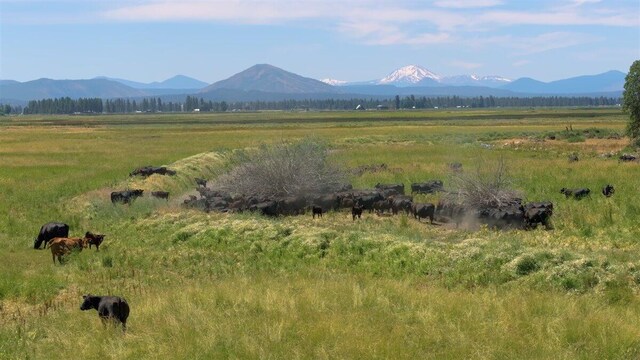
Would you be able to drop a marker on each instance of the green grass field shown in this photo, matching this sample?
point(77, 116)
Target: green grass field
point(204, 286)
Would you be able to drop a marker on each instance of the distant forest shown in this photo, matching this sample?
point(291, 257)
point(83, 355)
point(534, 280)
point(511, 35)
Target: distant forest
point(67, 105)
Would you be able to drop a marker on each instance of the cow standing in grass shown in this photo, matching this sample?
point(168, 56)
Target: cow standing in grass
point(110, 308)
point(49, 231)
point(62, 246)
point(94, 239)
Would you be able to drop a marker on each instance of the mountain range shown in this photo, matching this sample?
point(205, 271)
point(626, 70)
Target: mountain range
point(415, 75)
point(269, 83)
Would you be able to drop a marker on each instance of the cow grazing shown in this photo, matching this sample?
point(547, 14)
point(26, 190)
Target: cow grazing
point(421, 211)
point(49, 231)
point(61, 246)
point(356, 211)
point(110, 308)
point(575, 193)
point(94, 239)
point(160, 194)
point(147, 171)
point(201, 182)
point(316, 210)
point(608, 190)
point(125, 196)
point(427, 187)
point(391, 189)
point(627, 157)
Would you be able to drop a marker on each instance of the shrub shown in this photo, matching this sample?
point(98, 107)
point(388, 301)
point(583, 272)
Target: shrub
point(280, 170)
point(489, 186)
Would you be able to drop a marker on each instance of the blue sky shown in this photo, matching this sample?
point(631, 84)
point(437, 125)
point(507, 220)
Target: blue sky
point(152, 40)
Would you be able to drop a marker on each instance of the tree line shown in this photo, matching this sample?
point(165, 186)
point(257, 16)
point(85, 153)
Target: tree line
point(67, 105)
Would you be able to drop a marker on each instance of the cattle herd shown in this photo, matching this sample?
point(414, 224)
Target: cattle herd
point(388, 199)
point(383, 199)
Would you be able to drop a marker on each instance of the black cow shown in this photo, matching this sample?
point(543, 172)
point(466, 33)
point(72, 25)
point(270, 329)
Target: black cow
point(268, 208)
point(201, 182)
point(427, 187)
point(49, 231)
point(537, 215)
point(508, 217)
point(160, 194)
point(608, 190)
point(421, 211)
point(125, 196)
point(94, 239)
point(575, 193)
point(356, 210)
point(293, 205)
point(401, 203)
point(110, 308)
point(146, 171)
point(391, 189)
point(326, 202)
point(367, 201)
point(316, 210)
point(381, 206)
point(627, 157)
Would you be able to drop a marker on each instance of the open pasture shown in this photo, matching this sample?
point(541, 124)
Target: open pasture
point(244, 286)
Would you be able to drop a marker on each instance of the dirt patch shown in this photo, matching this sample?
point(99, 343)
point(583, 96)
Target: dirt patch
point(589, 145)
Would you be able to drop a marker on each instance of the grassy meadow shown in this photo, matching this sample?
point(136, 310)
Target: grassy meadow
point(204, 286)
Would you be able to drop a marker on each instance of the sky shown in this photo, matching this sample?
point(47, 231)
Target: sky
point(210, 40)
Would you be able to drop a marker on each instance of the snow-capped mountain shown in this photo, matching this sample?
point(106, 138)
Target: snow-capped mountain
point(334, 82)
point(475, 80)
point(415, 75)
point(409, 75)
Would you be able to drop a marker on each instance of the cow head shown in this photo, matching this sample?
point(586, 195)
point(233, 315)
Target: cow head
point(563, 191)
point(89, 302)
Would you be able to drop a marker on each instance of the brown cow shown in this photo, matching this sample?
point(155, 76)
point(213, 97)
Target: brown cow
point(62, 246)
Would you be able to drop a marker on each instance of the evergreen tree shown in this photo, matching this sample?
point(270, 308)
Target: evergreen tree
point(631, 101)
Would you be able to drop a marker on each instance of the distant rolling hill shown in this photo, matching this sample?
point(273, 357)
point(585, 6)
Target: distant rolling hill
point(14, 92)
point(48, 88)
point(608, 82)
point(178, 82)
point(270, 79)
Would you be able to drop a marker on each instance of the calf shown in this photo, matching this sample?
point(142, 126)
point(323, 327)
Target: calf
point(94, 239)
point(316, 210)
point(608, 190)
point(49, 231)
point(160, 194)
point(575, 193)
point(61, 246)
point(356, 210)
point(110, 308)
